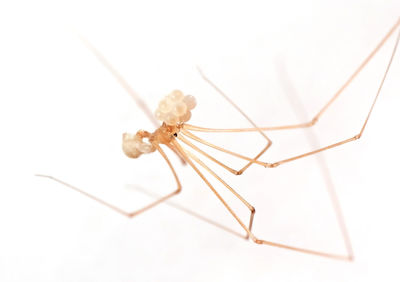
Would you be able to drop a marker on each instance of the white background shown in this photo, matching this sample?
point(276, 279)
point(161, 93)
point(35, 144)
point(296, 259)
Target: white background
point(63, 114)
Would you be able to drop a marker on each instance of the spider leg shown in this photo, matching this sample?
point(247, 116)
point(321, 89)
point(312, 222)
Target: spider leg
point(359, 134)
point(316, 118)
point(341, 142)
point(117, 209)
point(189, 156)
point(250, 207)
point(198, 139)
point(121, 80)
point(192, 213)
point(269, 142)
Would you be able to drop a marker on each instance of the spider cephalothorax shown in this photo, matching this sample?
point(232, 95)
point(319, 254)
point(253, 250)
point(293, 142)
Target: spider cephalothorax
point(173, 111)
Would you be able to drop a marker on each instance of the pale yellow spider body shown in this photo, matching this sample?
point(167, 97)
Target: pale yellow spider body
point(173, 111)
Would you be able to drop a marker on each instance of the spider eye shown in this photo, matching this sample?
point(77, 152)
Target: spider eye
point(176, 134)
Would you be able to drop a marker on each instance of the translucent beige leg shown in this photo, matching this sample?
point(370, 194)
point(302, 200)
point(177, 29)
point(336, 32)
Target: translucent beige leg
point(192, 213)
point(117, 209)
point(342, 142)
point(121, 80)
point(269, 142)
point(250, 207)
point(188, 157)
point(359, 134)
point(177, 153)
point(236, 172)
point(314, 120)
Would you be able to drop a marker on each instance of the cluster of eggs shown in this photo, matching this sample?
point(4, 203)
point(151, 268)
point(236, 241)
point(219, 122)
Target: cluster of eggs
point(133, 145)
point(175, 108)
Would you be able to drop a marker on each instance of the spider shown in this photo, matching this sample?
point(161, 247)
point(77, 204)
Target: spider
point(174, 111)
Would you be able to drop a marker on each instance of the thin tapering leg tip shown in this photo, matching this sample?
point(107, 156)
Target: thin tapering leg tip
point(42, 175)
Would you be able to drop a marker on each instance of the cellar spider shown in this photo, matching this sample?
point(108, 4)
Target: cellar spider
point(175, 110)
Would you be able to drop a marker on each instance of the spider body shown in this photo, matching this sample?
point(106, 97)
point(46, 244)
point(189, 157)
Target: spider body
point(173, 111)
